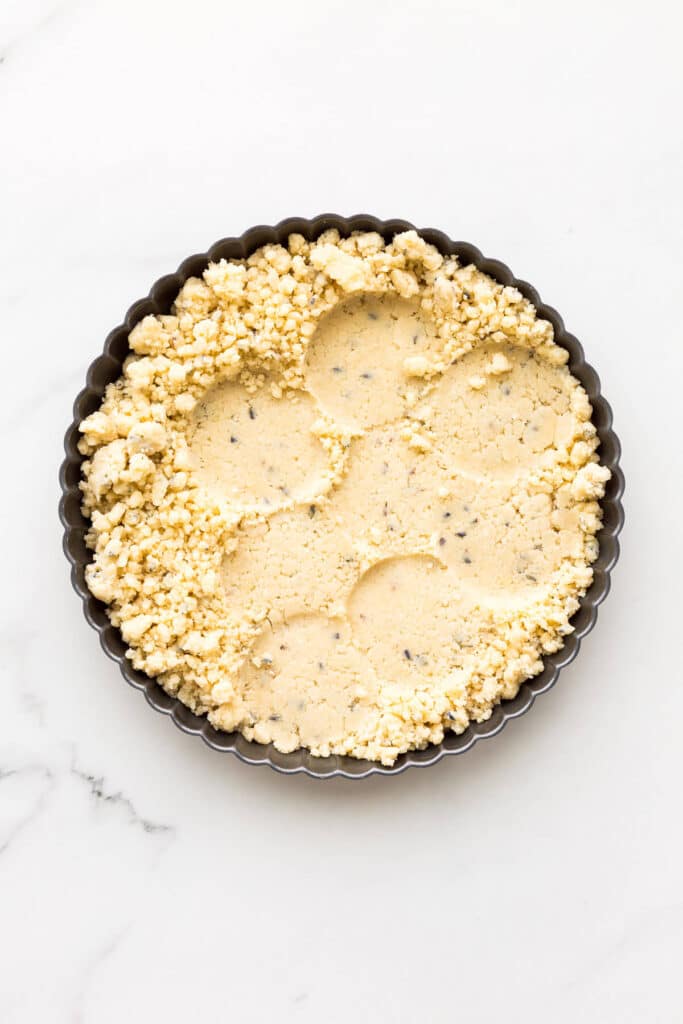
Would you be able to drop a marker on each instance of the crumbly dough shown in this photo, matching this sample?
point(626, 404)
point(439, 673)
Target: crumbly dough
point(344, 497)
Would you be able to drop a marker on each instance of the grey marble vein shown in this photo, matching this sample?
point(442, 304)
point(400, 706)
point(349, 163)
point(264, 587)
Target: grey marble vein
point(98, 792)
point(98, 959)
point(10, 46)
point(40, 771)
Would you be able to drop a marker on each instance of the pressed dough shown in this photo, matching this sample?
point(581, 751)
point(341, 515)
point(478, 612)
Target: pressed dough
point(345, 497)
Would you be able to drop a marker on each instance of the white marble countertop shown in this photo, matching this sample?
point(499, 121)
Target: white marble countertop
point(143, 876)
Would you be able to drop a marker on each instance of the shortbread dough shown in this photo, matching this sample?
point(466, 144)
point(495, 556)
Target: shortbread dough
point(345, 497)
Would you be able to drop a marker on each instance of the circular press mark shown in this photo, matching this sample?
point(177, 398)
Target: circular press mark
point(499, 410)
point(305, 682)
point(412, 619)
point(356, 362)
point(299, 561)
point(501, 543)
point(254, 450)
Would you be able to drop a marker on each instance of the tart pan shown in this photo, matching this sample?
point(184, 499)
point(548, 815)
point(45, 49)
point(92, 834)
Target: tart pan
point(107, 367)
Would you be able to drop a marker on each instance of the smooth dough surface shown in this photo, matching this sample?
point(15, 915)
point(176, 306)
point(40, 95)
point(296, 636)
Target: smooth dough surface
point(345, 497)
point(254, 449)
point(356, 363)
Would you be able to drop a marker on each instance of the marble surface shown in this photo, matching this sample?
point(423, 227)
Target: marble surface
point(143, 876)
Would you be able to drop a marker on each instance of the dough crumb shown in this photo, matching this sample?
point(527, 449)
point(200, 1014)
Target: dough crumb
point(498, 363)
